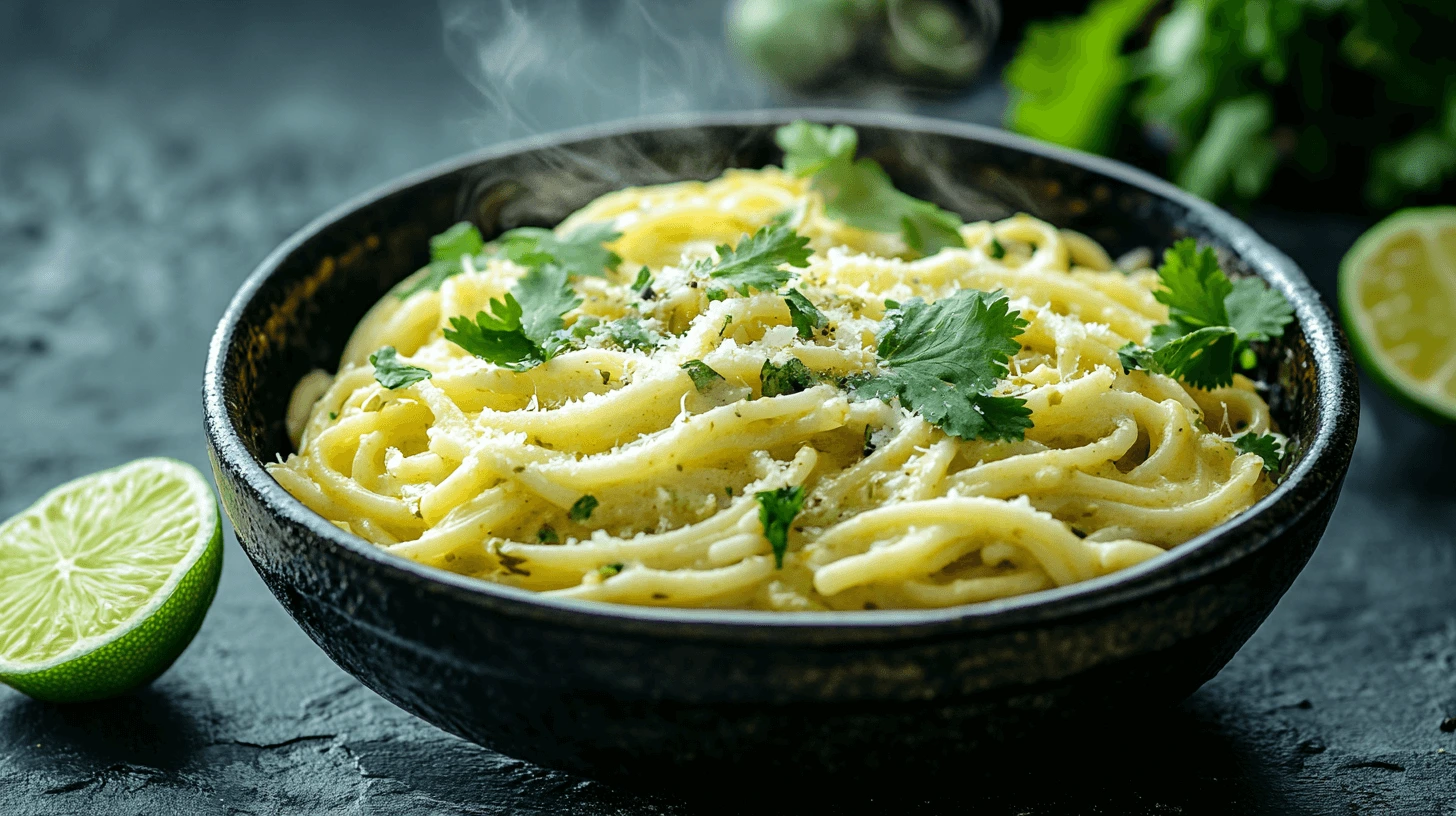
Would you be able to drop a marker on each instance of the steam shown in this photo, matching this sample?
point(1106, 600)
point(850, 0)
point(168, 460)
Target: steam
point(544, 65)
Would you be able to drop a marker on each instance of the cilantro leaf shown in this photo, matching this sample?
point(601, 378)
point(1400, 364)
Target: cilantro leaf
point(1194, 287)
point(524, 330)
point(582, 508)
point(776, 511)
point(391, 373)
point(1068, 78)
point(716, 294)
point(757, 261)
point(805, 316)
point(997, 250)
point(790, 378)
point(461, 239)
point(1267, 446)
point(629, 333)
point(1257, 312)
point(702, 374)
point(939, 359)
point(581, 253)
point(860, 192)
point(1203, 358)
point(446, 251)
point(1135, 357)
point(809, 148)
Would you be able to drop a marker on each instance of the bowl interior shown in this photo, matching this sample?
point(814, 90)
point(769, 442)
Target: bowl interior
point(299, 309)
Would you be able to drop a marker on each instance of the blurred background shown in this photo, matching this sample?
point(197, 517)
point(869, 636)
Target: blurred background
point(153, 151)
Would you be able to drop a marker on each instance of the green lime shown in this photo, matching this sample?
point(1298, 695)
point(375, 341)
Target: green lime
point(1398, 301)
point(104, 581)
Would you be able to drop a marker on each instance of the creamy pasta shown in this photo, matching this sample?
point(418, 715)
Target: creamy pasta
point(486, 471)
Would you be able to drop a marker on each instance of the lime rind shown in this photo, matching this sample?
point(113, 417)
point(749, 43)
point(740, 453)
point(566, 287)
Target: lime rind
point(1411, 393)
point(151, 638)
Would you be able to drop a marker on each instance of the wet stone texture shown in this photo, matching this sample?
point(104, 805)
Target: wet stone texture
point(151, 155)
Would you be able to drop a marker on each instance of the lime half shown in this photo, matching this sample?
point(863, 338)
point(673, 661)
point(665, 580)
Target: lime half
point(104, 581)
point(1398, 300)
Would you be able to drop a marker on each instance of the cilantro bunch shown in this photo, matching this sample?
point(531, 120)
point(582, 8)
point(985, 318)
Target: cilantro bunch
point(859, 192)
point(1211, 320)
point(1223, 95)
point(941, 359)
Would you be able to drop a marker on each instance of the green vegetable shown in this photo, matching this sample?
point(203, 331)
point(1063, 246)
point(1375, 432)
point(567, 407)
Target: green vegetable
point(1211, 320)
point(643, 283)
point(859, 192)
point(941, 358)
point(805, 316)
point(629, 333)
point(525, 330)
point(581, 253)
point(1068, 79)
point(446, 251)
point(582, 508)
point(702, 374)
point(1339, 94)
point(790, 378)
point(391, 373)
point(452, 244)
point(758, 260)
point(776, 511)
point(1266, 445)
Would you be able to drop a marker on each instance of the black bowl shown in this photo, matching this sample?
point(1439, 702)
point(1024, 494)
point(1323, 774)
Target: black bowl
point(617, 690)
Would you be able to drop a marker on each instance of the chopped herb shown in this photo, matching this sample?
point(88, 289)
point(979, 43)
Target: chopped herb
point(583, 328)
point(941, 358)
point(892, 305)
point(727, 321)
point(703, 375)
point(790, 378)
point(729, 490)
point(446, 251)
point(391, 373)
point(629, 333)
point(644, 278)
point(582, 509)
point(997, 251)
point(608, 570)
point(757, 261)
point(333, 415)
point(547, 535)
point(1211, 320)
point(715, 295)
point(776, 511)
point(581, 253)
point(860, 193)
point(805, 316)
point(1266, 445)
point(523, 331)
point(869, 446)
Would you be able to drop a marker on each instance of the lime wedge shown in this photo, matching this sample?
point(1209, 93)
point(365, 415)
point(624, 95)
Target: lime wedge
point(1398, 300)
point(104, 581)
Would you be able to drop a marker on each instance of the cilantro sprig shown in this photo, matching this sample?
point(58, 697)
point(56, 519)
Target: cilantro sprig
point(1266, 445)
point(525, 329)
point(1212, 321)
point(776, 511)
point(758, 260)
point(581, 253)
point(940, 359)
point(391, 373)
point(859, 192)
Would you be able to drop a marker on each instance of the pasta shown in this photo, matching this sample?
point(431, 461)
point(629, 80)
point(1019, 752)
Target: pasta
point(486, 470)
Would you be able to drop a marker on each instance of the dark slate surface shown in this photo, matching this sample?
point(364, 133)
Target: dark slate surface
point(150, 155)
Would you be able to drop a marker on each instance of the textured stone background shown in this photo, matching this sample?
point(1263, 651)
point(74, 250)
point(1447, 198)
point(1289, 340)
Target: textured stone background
point(151, 154)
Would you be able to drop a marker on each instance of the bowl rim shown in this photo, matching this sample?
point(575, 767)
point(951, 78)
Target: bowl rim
point(1295, 496)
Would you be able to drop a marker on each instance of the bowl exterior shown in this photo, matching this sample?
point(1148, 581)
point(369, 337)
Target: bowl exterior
point(621, 691)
